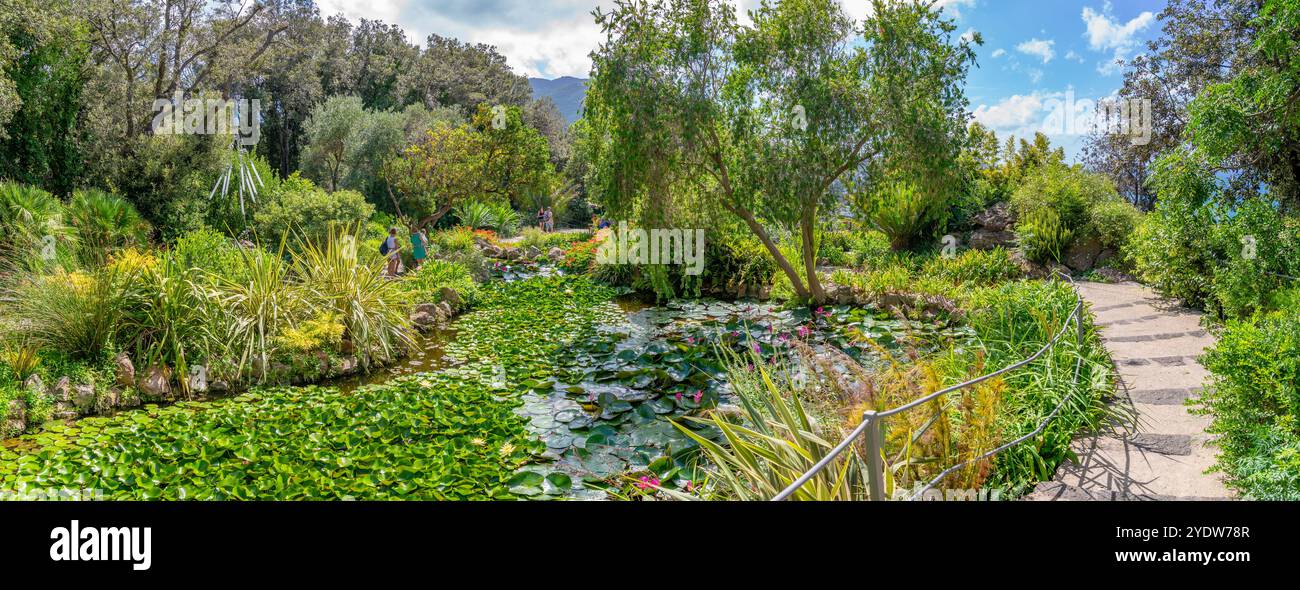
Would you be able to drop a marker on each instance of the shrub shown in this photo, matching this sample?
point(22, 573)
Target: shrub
point(505, 220)
point(453, 240)
point(27, 216)
point(1113, 220)
point(580, 258)
point(854, 248)
point(1255, 401)
point(1043, 236)
point(903, 212)
point(211, 252)
point(457, 246)
point(778, 441)
point(170, 319)
point(371, 307)
point(974, 266)
point(104, 223)
point(75, 312)
point(544, 241)
point(298, 208)
point(424, 284)
point(1069, 192)
point(260, 302)
point(476, 215)
point(1011, 322)
point(1171, 252)
point(1254, 244)
point(735, 258)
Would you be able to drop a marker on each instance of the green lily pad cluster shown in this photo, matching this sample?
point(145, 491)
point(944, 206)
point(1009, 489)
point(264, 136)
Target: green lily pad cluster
point(441, 437)
point(450, 434)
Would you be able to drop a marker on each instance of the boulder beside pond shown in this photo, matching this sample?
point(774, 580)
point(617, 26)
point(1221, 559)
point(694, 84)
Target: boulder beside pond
point(154, 384)
point(125, 370)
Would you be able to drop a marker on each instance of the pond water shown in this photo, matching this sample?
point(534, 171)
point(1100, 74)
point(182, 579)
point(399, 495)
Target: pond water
point(616, 402)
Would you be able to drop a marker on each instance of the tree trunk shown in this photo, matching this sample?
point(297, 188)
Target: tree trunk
point(816, 295)
point(781, 261)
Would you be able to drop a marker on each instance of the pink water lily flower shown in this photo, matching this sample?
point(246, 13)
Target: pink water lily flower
point(804, 331)
point(699, 395)
point(678, 396)
point(648, 482)
point(757, 348)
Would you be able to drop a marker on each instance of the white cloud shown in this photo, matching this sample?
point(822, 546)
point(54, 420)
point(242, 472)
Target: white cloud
point(1107, 35)
point(1013, 114)
point(1074, 56)
point(552, 38)
point(968, 36)
point(1040, 48)
point(999, 53)
point(560, 50)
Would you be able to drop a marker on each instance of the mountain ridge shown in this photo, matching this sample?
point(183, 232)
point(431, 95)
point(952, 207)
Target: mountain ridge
point(568, 93)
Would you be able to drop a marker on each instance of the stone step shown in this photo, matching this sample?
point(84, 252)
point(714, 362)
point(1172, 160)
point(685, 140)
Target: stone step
point(1055, 491)
point(1170, 419)
point(1154, 376)
point(1151, 347)
point(1119, 467)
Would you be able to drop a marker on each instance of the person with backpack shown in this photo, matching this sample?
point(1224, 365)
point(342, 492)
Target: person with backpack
point(392, 250)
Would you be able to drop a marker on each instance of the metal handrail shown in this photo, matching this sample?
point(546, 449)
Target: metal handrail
point(872, 420)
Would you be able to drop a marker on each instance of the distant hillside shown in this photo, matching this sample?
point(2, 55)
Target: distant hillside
point(567, 92)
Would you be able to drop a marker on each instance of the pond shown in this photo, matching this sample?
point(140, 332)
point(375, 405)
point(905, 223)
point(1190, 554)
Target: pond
point(609, 405)
point(552, 387)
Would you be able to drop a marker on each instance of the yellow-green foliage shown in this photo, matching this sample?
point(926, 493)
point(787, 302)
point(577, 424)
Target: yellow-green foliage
point(313, 334)
point(1043, 236)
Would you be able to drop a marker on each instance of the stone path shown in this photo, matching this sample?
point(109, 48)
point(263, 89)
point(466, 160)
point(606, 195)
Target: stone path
point(1163, 453)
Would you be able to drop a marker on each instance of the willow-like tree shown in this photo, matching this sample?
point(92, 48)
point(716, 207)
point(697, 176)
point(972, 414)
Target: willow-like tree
point(764, 120)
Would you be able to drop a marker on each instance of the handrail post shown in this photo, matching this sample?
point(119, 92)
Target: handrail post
point(875, 464)
point(1080, 334)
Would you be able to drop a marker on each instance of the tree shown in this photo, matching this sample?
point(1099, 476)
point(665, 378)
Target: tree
point(1203, 42)
point(331, 129)
point(765, 121)
point(1248, 126)
point(38, 144)
point(348, 144)
point(180, 46)
point(452, 73)
point(480, 160)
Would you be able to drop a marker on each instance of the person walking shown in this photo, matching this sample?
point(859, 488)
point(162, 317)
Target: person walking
point(541, 219)
point(393, 250)
point(419, 248)
point(550, 220)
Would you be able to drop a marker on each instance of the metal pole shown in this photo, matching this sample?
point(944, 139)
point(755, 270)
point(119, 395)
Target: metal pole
point(875, 464)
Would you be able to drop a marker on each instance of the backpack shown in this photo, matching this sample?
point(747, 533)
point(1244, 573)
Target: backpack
point(383, 248)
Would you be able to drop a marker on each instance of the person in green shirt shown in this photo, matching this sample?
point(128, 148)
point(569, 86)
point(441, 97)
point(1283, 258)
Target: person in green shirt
point(419, 247)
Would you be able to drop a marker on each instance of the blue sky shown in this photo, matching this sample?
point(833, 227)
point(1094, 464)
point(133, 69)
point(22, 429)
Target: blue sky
point(1035, 52)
